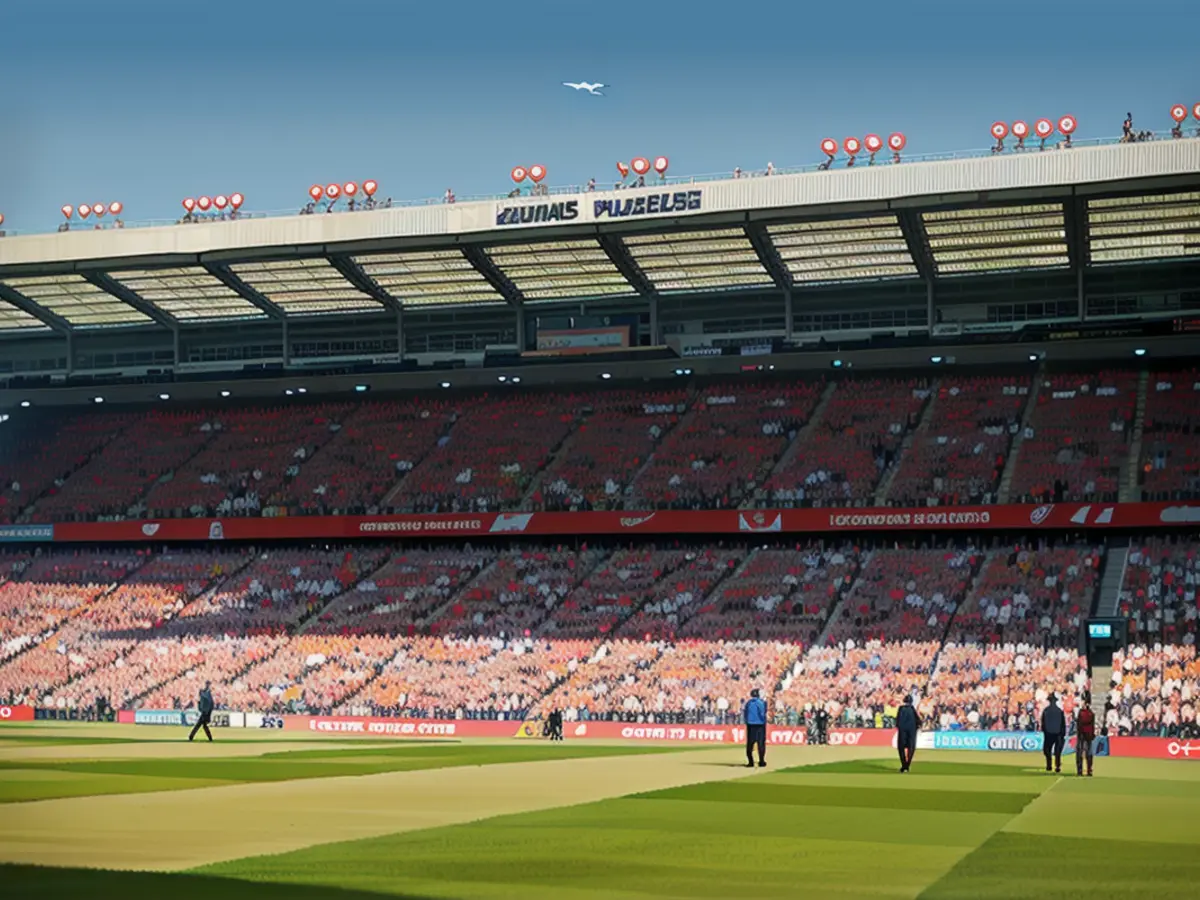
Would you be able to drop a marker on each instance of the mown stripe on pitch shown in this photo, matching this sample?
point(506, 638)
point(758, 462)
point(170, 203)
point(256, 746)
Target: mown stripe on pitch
point(855, 797)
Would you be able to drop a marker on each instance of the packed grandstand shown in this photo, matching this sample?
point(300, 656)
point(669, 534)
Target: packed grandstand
point(850, 436)
point(981, 626)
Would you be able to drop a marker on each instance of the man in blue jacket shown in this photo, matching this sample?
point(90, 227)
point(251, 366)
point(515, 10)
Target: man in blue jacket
point(1054, 734)
point(907, 725)
point(755, 717)
point(205, 708)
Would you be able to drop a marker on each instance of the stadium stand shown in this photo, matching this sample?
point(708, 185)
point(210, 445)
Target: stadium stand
point(1170, 458)
point(1077, 443)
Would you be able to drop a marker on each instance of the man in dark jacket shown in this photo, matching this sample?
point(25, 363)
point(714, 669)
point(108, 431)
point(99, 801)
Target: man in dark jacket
point(822, 725)
point(755, 717)
point(1085, 734)
point(907, 725)
point(205, 707)
point(1054, 733)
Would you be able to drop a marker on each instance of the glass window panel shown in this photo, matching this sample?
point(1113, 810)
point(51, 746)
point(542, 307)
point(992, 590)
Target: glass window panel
point(77, 300)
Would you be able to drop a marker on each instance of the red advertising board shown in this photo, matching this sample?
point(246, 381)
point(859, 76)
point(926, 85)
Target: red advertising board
point(1049, 516)
point(723, 734)
point(1154, 748)
point(16, 714)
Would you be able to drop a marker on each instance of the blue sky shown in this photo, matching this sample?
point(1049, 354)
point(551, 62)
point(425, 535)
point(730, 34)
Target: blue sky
point(150, 102)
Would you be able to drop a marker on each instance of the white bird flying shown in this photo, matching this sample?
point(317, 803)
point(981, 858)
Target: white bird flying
point(593, 89)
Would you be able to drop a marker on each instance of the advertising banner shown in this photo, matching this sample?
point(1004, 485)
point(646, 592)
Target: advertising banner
point(221, 718)
point(373, 726)
point(16, 714)
point(1051, 516)
point(1155, 748)
point(711, 734)
point(12, 534)
point(580, 341)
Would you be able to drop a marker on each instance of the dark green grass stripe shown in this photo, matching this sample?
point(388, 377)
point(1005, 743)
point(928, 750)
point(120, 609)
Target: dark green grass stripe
point(40, 882)
point(1011, 866)
point(889, 766)
point(853, 797)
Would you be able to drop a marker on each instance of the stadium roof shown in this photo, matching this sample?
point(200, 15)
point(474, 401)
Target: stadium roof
point(1083, 208)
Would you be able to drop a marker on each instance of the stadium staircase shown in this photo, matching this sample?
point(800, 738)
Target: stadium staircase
point(924, 421)
point(1101, 688)
point(1014, 450)
point(315, 616)
point(633, 500)
point(138, 507)
point(26, 514)
point(980, 567)
point(1116, 559)
point(390, 496)
point(1129, 491)
point(839, 605)
point(760, 496)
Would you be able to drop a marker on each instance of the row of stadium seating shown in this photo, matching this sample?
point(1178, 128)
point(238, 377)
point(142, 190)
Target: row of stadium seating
point(857, 442)
point(666, 633)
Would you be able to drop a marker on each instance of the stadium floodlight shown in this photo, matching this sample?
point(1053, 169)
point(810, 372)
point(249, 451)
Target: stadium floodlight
point(606, 375)
point(935, 360)
point(445, 384)
point(97, 399)
point(288, 392)
point(516, 379)
point(361, 388)
point(164, 396)
point(502, 378)
point(224, 393)
point(3, 418)
point(25, 404)
point(1140, 351)
point(301, 390)
point(830, 148)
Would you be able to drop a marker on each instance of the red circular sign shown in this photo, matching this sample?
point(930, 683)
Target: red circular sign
point(519, 173)
point(1020, 129)
point(84, 211)
point(537, 173)
point(189, 204)
point(68, 211)
point(220, 201)
point(873, 143)
point(316, 191)
point(333, 191)
point(115, 207)
point(897, 141)
point(1179, 112)
point(204, 203)
point(349, 188)
point(369, 187)
point(999, 130)
point(1067, 124)
point(852, 145)
point(1043, 128)
point(1196, 111)
point(829, 147)
point(236, 200)
point(99, 209)
point(640, 164)
point(660, 164)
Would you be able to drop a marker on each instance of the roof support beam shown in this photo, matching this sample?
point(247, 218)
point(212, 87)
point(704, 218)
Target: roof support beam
point(918, 243)
point(129, 298)
point(23, 303)
point(620, 257)
point(223, 274)
point(1075, 219)
point(353, 273)
point(769, 256)
point(491, 272)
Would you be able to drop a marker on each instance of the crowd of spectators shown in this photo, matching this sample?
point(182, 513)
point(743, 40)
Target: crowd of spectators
point(1155, 690)
point(1170, 460)
point(1076, 444)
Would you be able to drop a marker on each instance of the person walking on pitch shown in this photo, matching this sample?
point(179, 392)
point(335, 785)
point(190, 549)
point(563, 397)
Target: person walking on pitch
point(204, 707)
point(1054, 733)
point(755, 717)
point(1085, 736)
point(907, 725)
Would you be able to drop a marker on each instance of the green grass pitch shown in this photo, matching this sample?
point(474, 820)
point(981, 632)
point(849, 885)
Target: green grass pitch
point(961, 825)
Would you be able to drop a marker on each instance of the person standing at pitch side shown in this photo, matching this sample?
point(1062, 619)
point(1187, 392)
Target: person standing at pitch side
point(1085, 735)
point(907, 724)
point(205, 708)
point(755, 717)
point(1054, 733)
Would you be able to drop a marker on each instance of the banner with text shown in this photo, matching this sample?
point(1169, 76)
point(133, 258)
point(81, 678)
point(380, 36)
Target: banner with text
point(16, 714)
point(1054, 516)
